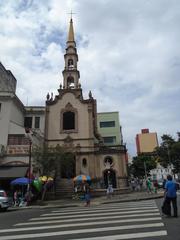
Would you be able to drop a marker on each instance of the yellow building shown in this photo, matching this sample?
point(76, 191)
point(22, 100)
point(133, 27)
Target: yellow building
point(146, 142)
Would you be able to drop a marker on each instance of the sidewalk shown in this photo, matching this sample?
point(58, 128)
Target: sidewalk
point(127, 197)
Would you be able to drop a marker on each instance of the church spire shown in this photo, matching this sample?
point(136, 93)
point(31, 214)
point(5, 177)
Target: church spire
point(71, 32)
point(71, 39)
point(71, 74)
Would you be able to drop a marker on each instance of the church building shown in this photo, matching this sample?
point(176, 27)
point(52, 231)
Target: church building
point(71, 122)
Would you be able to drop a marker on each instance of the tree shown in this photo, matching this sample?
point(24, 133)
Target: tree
point(142, 165)
point(169, 152)
point(175, 153)
point(51, 159)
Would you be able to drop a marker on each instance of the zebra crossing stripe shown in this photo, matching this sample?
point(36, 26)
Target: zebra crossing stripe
point(92, 230)
point(86, 219)
point(80, 224)
point(91, 211)
point(127, 236)
point(92, 214)
point(114, 206)
point(96, 211)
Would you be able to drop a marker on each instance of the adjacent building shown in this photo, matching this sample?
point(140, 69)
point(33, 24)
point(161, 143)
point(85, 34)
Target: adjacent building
point(146, 142)
point(14, 144)
point(109, 127)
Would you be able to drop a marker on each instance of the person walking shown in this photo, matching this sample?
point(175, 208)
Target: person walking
point(155, 184)
point(109, 191)
point(171, 195)
point(16, 201)
point(87, 195)
point(149, 185)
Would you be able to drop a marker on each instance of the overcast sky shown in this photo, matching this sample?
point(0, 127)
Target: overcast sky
point(129, 56)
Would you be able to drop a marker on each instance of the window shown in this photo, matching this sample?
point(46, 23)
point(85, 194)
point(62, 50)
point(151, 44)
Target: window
point(28, 122)
point(109, 140)
point(107, 124)
point(84, 162)
point(37, 122)
point(17, 140)
point(70, 62)
point(68, 120)
point(70, 82)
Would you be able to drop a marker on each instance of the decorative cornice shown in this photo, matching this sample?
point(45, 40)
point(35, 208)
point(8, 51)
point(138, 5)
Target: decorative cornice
point(76, 92)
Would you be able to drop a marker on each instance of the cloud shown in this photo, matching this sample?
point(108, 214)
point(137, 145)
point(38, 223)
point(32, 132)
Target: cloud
point(128, 56)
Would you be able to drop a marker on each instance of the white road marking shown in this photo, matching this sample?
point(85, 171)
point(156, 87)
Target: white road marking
point(113, 206)
point(80, 224)
point(92, 230)
point(86, 219)
point(96, 210)
point(127, 236)
point(94, 214)
point(127, 217)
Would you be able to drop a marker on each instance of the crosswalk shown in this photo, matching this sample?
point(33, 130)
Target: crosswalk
point(131, 220)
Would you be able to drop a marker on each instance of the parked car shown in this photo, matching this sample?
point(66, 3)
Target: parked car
point(5, 201)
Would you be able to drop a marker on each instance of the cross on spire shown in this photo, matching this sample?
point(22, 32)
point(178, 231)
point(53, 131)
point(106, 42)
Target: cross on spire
point(71, 13)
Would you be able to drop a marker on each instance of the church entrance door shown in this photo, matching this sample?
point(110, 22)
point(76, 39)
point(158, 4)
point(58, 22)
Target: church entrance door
point(110, 178)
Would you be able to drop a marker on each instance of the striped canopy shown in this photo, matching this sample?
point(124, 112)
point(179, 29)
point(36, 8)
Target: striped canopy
point(81, 178)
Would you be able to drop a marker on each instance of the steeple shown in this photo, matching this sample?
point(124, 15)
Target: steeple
point(71, 74)
point(71, 32)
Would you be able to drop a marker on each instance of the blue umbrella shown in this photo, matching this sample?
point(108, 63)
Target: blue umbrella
point(21, 181)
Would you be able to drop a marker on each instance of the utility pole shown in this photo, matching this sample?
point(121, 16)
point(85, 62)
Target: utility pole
point(27, 130)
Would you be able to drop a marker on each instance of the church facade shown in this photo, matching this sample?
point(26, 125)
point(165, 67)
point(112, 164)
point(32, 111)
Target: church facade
point(71, 122)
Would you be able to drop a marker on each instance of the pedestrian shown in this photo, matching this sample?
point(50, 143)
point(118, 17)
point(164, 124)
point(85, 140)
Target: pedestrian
point(141, 184)
point(109, 191)
point(87, 195)
point(133, 184)
point(149, 185)
point(171, 195)
point(155, 183)
point(164, 183)
point(16, 201)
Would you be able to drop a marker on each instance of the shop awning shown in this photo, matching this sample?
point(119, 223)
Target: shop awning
point(7, 172)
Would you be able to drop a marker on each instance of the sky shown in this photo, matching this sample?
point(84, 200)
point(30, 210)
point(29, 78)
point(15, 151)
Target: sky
point(129, 56)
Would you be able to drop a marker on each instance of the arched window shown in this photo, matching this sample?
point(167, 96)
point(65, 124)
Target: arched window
point(68, 120)
point(70, 82)
point(70, 62)
point(84, 162)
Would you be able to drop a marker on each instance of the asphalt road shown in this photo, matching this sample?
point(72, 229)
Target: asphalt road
point(132, 220)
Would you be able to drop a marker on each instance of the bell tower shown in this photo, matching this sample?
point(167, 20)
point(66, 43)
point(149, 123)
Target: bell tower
point(70, 73)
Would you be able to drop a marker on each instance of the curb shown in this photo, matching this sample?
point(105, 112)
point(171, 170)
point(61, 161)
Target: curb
point(131, 200)
point(81, 203)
